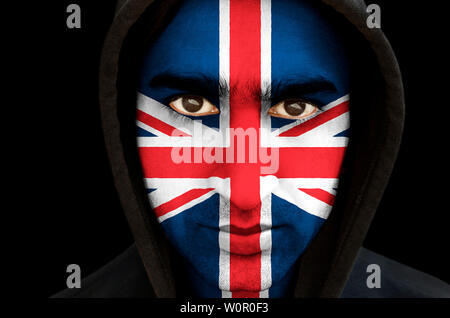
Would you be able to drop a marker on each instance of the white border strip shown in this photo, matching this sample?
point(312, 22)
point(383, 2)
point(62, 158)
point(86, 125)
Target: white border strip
point(266, 196)
point(224, 210)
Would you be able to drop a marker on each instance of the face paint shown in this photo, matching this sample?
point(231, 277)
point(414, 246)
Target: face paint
point(242, 116)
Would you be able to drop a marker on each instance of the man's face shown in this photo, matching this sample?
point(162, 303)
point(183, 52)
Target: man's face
point(242, 116)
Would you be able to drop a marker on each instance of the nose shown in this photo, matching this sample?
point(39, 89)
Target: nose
point(244, 168)
point(246, 187)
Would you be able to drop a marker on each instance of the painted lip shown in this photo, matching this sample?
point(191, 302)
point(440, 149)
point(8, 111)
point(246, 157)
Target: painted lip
point(244, 230)
point(246, 242)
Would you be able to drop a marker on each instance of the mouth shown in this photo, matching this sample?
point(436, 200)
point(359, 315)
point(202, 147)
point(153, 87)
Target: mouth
point(242, 231)
point(245, 241)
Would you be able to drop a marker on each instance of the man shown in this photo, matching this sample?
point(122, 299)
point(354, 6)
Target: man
point(240, 183)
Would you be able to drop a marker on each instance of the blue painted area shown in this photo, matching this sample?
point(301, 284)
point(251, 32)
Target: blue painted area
point(306, 48)
point(277, 122)
point(189, 47)
point(195, 235)
point(144, 133)
point(345, 133)
point(293, 230)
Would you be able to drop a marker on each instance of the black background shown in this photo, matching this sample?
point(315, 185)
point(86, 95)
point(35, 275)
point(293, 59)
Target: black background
point(68, 210)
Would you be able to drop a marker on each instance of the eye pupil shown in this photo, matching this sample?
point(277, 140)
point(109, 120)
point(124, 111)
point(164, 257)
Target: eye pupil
point(294, 107)
point(192, 103)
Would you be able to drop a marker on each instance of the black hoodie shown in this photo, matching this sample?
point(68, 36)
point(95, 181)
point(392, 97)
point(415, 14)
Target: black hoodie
point(334, 264)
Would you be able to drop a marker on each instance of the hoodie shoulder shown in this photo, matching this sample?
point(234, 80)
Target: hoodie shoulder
point(396, 280)
point(123, 277)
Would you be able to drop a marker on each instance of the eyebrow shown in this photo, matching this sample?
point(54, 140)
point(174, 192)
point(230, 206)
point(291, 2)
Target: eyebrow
point(295, 88)
point(197, 83)
point(190, 82)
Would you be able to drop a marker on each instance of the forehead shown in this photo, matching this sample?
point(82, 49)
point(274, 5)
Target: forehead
point(304, 44)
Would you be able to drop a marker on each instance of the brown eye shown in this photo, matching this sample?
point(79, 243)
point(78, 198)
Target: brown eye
point(193, 105)
point(293, 108)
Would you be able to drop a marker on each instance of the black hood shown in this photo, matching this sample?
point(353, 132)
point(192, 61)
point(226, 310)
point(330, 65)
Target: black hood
point(377, 105)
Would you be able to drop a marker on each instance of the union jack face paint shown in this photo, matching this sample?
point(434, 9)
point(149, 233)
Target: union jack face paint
point(242, 189)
